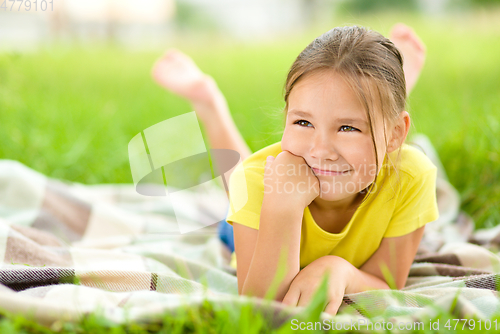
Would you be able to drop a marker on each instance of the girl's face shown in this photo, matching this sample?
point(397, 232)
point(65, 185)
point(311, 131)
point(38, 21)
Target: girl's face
point(327, 125)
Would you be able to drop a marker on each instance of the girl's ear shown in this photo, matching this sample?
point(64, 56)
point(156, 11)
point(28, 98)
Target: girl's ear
point(399, 131)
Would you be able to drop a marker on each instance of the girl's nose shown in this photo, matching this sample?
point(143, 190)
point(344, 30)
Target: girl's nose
point(323, 148)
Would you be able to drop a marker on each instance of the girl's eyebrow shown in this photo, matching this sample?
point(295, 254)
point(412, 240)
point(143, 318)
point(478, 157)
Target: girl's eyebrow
point(300, 113)
point(352, 120)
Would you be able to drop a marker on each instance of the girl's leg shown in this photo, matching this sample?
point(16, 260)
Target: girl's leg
point(413, 50)
point(176, 72)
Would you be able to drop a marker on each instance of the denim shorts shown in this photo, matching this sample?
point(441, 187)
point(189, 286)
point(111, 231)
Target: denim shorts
point(226, 234)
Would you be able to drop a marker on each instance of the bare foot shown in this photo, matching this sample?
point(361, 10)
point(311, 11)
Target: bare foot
point(178, 73)
point(413, 50)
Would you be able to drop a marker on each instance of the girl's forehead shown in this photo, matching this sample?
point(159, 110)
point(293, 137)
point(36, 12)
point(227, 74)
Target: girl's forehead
point(325, 92)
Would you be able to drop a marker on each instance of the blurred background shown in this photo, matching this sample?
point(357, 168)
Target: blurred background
point(75, 82)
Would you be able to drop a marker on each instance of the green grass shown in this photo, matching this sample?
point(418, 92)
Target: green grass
point(69, 112)
point(246, 319)
point(200, 319)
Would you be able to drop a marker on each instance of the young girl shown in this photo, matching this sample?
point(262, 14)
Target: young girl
point(341, 194)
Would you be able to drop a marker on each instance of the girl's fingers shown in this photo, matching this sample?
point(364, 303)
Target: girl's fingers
point(269, 161)
point(304, 299)
point(333, 306)
point(292, 297)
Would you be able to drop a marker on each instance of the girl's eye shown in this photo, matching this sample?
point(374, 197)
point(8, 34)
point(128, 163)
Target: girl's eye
point(303, 123)
point(347, 128)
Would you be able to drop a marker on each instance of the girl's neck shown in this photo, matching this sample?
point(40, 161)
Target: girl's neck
point(333, 217)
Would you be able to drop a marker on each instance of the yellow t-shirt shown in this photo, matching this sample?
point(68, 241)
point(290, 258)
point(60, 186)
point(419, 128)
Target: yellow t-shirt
point(405, 201)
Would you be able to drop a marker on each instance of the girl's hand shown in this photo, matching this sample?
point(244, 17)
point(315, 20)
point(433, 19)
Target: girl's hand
point(309, 279)
point(289, 179)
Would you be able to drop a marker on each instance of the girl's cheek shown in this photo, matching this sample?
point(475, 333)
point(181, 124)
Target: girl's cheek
point(294, 145)
point(288, 142)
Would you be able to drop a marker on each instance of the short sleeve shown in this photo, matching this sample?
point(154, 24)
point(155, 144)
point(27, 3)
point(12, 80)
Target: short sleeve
point(246, 193)
point(416, 205)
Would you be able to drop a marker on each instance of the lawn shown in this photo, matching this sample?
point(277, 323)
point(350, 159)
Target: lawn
point(70, 111)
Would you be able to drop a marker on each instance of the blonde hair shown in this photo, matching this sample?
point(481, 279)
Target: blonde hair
point(371, 64)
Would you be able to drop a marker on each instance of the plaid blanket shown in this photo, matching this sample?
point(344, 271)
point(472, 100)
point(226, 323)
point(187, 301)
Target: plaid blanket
point(69, 249)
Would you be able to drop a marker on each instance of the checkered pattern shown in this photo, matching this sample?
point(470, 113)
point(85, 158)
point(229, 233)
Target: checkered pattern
point(68, 249)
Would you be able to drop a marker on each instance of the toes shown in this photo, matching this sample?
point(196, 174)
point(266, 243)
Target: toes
point(401, 33)
point(400, 30)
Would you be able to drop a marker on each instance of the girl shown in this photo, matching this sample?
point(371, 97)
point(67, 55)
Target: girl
point(340, 194)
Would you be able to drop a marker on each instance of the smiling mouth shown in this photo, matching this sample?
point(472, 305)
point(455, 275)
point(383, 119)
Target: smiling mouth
point(328, 172)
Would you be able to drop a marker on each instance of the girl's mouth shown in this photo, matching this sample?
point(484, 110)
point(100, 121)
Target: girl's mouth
point(328, 172)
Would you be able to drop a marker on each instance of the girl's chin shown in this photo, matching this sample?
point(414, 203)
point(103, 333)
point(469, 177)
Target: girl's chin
point(341, 191)
point(333, 197)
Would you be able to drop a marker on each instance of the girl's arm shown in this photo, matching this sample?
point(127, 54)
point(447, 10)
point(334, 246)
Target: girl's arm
point(395, 254)
point(245, 239)
point(275, 248)
point(261, 252)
